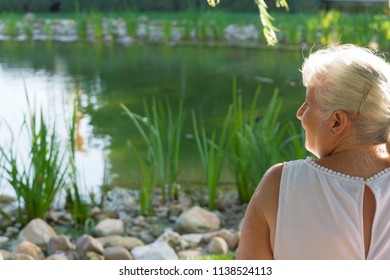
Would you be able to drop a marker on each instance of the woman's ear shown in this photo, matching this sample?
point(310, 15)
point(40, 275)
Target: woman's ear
point(339, 122)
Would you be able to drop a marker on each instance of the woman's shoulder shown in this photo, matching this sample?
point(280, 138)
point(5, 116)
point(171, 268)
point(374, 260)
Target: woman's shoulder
point(268, 189)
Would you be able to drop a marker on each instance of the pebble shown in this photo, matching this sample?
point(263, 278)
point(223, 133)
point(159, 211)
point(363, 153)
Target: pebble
point(144, 237)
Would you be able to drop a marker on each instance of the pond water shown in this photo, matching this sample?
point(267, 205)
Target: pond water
point(104, 76)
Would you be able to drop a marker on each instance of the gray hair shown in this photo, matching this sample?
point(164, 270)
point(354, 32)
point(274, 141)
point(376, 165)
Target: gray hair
point(357, 81)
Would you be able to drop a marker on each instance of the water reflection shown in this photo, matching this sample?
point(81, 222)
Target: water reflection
point(53, 93)
point(103, 77)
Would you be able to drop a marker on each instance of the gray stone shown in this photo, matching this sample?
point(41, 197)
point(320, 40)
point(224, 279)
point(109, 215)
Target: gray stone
point(126, 242)
point(233, 241)
point(197, 220)
point(223, 233)
point(170, 237)
point(6, 254)
point(94, 256)
point(87, 243)
point(27, 248)
point(10, 231)
point(38, 232)
point(60, 243)
point(57, 257)
point(217, 246)
point(154, 251)
point(117, 253)
point(109, 227)
point(24, 257)
point(3, 240)
point(130, 204)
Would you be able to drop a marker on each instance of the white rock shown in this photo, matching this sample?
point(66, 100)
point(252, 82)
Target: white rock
point(154, 251)
point(190, 254)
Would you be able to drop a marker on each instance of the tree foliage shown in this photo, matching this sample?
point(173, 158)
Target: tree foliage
point(269, 30)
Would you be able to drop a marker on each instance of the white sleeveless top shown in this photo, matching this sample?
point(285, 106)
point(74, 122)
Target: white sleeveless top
point(320, 214)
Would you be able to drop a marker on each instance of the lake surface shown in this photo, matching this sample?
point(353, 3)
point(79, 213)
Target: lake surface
point(104, 76)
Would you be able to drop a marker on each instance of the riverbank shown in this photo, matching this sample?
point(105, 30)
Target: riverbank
point(180, 229)
point(219, 29)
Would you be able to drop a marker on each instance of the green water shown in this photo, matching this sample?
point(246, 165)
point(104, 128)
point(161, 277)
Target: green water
point(104, 76)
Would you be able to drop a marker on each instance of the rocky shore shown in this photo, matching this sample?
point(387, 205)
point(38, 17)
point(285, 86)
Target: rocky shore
point(177, 230)
point(117, 30)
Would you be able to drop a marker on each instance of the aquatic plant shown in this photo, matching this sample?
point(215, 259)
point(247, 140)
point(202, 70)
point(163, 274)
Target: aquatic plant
point(161, 130)
point(258, 141)
point(213, 153)
point(38, 177)
point(78, 206)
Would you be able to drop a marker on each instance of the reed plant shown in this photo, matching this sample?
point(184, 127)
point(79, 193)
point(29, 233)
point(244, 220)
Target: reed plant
point(11, 27)
point(160, 130)
point(81, 25)
point(167, 30)
point(96, 20)
point(28, 28)
point(143, 169)
point(244, 151)
point(213, 153)
point(131, 23)
point(78, 207)
point(38, 177)
point(49, 30)
point(258, 141)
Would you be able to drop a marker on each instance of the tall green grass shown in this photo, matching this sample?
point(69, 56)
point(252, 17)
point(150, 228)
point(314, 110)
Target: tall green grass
point(38, 178)
point(79, 207)
point(258, 141)
point(213, 152)
point(161, 131)
point(11, 27)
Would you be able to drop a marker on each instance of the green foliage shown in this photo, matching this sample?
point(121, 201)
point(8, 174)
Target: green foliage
point(161, 131)
point(213, 152)
point(78, 206)
point(266, 20)
point(11, 25)
point(258, 142)
point(144, 170)
point(37, 179)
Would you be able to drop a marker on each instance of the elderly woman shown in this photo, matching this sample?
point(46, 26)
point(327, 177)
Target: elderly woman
point(336, 206)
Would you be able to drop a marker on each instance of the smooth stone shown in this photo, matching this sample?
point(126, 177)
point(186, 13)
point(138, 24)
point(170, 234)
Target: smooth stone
point(3, 240)
point(28, 248)
point(86, 244)
point(59, 243)
point(38, 232)
point(190, 254)
point(217, 246)
point(117, 253)
point(197, 220)
point(154, 251)
point(57, 257)
point(109, 227)
point(126, 242)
